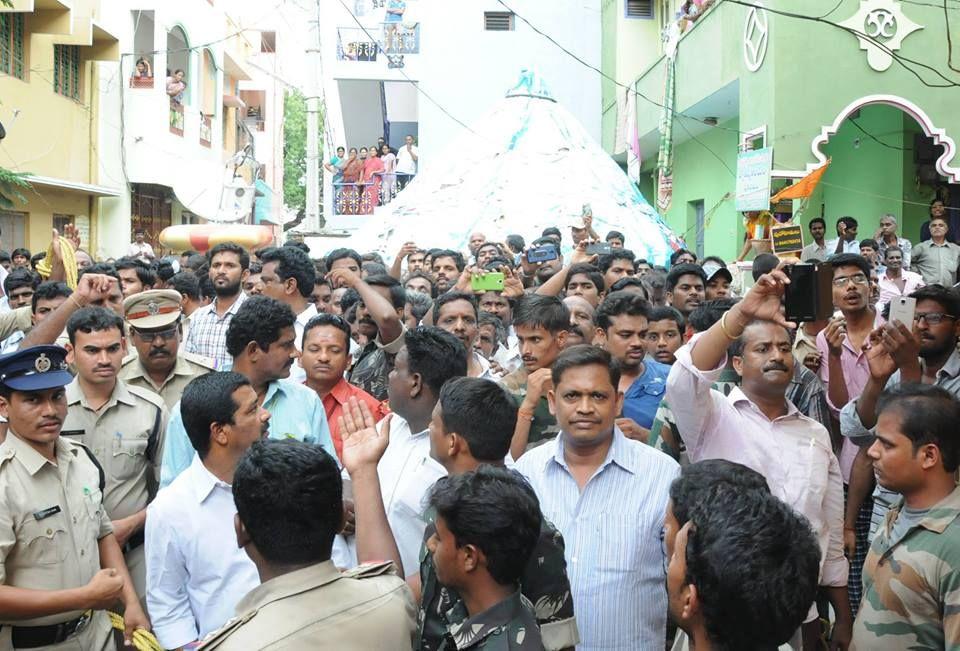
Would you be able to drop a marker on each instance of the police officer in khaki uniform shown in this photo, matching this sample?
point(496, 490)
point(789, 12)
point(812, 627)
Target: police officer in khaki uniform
point(158, 364)
point(122, 425)
point(289, 508)
point(60, 564)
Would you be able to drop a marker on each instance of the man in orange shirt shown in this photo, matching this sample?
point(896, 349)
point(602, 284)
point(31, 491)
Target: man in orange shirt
point(325, 357)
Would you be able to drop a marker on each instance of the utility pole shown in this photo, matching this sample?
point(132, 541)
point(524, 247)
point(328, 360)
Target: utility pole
point(314, 219)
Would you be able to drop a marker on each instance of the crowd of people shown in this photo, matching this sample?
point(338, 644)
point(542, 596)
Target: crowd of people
point(499, 448)
point(369, 177)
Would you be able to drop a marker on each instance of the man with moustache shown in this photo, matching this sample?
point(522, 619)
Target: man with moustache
point(260, 341)
point(208, 328)
point(157, 363)
point(122, 425)
point(757, 426)
point(581, 320)
point(447, 266)
point(60, 562)
point(685, 288)
point(622, 331)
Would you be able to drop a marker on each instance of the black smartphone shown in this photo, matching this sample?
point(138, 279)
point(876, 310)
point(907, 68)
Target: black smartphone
point(542, 254)
point(599, 248)
point(800, 297)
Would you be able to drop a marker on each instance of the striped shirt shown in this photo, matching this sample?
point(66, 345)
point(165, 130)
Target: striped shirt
point(208, 332)
point(615, 559)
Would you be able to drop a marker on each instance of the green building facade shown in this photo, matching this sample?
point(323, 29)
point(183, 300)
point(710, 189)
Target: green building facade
point(869, 87)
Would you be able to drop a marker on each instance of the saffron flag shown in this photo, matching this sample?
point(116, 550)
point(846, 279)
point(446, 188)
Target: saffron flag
point(802, 188)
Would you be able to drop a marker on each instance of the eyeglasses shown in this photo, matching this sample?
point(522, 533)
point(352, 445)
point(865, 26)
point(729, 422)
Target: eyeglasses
point(933, 318)
point(856, 279)
point(148, 337)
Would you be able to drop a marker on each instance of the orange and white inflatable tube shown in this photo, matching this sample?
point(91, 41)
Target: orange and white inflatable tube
point(203, 237)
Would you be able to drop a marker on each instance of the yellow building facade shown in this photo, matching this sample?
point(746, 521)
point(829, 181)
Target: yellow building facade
point(49, 109)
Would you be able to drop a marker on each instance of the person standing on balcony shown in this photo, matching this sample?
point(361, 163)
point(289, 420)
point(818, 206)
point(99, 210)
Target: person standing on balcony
point(348, 199)
point(175, 86)
point(336, 165)
point(389, 173)
point(392, 19)
point(143, 69)
point(373, 179)
point(407, 163)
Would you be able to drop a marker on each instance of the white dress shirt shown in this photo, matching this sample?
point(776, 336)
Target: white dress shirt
point(196, 574)
point(793, 452)
point(407, 473)
point(611, 531)
point(851, 246)
point(297, 374)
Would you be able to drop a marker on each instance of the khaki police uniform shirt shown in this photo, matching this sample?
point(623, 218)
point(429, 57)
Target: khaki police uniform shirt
point(188, 367)
point(126, 436)
point(318, 607)
point(51, 517)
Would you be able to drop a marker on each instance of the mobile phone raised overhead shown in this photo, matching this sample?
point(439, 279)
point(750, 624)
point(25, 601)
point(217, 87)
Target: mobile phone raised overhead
point(489, 282)
point(542, 254)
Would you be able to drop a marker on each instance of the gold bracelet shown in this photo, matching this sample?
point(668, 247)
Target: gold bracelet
point(80, 306)
point(723, 328)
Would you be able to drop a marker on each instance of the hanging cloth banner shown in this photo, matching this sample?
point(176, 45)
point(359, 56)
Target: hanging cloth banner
point(803, 188)
point(665, 158)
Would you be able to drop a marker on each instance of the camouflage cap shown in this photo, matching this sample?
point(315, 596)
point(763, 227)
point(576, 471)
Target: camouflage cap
point(154, 308)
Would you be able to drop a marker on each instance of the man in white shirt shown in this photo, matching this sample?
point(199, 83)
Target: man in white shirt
point(406, 472)
point(288, 276)
point(846, 241)
point(139, 248)
point(196, 574)
point(407, 159)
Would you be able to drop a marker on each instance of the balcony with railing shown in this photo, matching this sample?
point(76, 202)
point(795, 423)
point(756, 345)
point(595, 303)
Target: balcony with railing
point(361, 197)
point(390, 41)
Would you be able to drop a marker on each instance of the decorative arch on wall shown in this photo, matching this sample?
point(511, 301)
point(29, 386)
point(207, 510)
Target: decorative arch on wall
point(938, 135)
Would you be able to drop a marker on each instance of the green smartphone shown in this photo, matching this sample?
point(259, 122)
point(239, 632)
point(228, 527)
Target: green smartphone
point(492, 281)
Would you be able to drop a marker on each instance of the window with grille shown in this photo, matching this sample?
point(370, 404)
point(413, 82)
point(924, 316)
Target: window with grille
point(639, 8)
point(498, 21)
point(11, 44)
point(66, 70)
point(60, 222)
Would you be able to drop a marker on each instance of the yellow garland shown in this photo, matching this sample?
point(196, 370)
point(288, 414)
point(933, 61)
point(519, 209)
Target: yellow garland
point(142, 640)
point(45, 268)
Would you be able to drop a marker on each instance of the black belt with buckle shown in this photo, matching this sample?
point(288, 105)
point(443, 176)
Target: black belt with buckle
point(133, 542)
point(31, 637)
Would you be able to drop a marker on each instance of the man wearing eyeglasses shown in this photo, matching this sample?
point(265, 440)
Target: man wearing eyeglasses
point(927, 354)
point(937, 259)
point(844, 375)
point(159, 364)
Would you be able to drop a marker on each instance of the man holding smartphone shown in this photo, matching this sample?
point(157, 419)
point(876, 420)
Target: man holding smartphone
point(845, 374)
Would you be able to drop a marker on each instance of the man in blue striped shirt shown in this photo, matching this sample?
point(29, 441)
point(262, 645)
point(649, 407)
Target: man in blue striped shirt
point(607, 495)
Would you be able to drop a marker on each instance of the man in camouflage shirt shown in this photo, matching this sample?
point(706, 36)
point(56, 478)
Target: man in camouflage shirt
point(488, 522)
point(911, 578)
point(541, 323)
point(471, 426)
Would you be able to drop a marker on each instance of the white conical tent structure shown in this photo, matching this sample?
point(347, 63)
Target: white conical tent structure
point(526, 165)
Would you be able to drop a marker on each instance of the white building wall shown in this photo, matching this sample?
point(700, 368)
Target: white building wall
point(463, 68)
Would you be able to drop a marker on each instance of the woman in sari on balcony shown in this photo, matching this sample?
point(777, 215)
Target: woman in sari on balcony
point(373, 176)
point(348, 195)
point(389, 173)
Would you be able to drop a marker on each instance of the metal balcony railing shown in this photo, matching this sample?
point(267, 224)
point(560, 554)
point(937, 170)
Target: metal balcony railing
point(361, 198)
